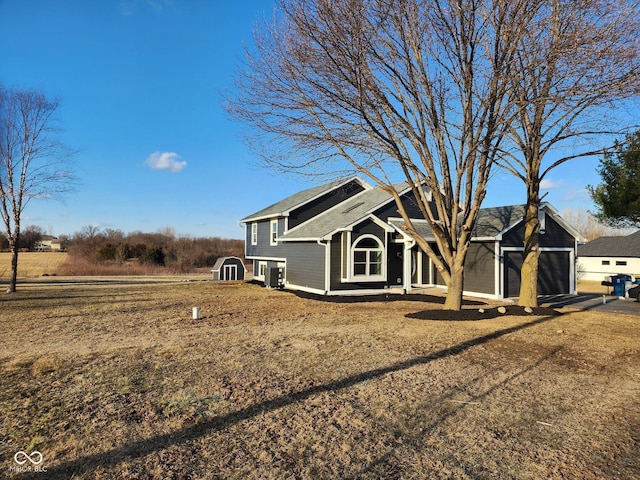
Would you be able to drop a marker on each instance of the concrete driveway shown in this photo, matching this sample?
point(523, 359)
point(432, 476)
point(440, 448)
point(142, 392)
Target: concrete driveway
point(613, 304)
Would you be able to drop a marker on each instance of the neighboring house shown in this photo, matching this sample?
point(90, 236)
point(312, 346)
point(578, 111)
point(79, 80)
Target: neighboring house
point(48, 244)
point(606, 256)
point(347, 238)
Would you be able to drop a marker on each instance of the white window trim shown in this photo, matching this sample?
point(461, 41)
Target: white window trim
point(345, 255)
point(254, 233)
point(352, 277)
point(273, 241)
point(260, 275)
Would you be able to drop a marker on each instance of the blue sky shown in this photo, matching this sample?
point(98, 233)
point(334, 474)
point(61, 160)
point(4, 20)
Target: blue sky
point(140, 83)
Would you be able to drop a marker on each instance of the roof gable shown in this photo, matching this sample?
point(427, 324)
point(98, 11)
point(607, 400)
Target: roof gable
point(297, 200)
point(343, 216)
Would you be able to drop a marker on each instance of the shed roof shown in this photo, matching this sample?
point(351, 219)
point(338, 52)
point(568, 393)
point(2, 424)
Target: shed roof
point(628, 246)
point(220, 261)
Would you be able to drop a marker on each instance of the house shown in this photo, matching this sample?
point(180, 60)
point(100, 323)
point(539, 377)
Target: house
point(606, 256)
point(48, 244)
point(229, 268)
point(347, 238)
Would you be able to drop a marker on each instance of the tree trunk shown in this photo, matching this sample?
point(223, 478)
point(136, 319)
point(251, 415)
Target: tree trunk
point(529, 270)
point(454, 289)
point(15, 247)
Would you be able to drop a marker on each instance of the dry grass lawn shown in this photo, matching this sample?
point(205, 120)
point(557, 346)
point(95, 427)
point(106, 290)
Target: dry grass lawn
point(31, 264)
point(117, 381)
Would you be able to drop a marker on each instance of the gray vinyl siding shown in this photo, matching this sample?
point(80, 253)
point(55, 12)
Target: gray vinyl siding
point(426, 262)
point(554, 236)
point(370, 228)
point(437, 277)
point(323, 203)
point(479, 268)
point(264, 247)
point(391, 209)
point(305, 264)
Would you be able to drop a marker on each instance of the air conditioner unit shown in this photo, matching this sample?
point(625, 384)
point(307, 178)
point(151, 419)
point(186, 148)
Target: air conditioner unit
point(274, 277)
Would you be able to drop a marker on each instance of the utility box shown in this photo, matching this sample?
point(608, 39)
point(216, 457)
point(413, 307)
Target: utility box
point(274, 277)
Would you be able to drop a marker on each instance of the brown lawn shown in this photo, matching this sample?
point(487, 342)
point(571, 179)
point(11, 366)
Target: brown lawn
point(31, 264)
point(117, 381)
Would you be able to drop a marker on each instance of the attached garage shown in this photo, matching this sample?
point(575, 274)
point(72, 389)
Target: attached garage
point(554, 273)
point(229, 268)
point(494, 259)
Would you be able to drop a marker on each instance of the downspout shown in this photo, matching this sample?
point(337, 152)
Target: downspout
point(327, 263)
point(408, 245)
point(498, 277)
point(245, 237)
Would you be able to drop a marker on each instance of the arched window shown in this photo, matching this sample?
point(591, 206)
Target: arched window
point(367, 257)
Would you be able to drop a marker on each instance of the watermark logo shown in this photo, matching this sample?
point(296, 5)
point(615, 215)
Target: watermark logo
point(19, 456)
point(28, 462)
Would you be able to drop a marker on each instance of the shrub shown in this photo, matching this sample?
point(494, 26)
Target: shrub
point(152, 256)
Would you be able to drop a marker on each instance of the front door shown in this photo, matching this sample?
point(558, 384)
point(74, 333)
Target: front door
point(395, 265)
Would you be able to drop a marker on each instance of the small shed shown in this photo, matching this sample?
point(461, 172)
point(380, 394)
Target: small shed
point(229, 268)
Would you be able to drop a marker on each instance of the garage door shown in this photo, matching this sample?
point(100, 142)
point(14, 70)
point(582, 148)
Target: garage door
point(553, 273)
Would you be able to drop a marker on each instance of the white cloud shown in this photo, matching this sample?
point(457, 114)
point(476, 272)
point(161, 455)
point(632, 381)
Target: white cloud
point(166, 161)
point(547, 184)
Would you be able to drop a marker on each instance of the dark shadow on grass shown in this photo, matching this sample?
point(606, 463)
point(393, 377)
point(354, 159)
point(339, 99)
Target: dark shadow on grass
point(141, 448)
point(425, 431)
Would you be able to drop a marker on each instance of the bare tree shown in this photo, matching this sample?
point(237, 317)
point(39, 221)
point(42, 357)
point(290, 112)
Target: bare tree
point(577, 59)
point(32, 160)
point(410, 89)
point(590, 227)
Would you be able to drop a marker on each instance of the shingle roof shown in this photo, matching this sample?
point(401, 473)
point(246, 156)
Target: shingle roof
point(490, 222)
point(221, 260)
point(341, 216)
point(628, 246)
point(295, 200)
point(422, 227)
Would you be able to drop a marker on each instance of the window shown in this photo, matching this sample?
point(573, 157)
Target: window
point(274, 232)
point(367, 255)
point(254, 234)
point(262, 268)
point(622, 263)
point(606, 262)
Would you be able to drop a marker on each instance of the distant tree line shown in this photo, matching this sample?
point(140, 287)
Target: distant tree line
point(164, 249)
point(114, 247)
